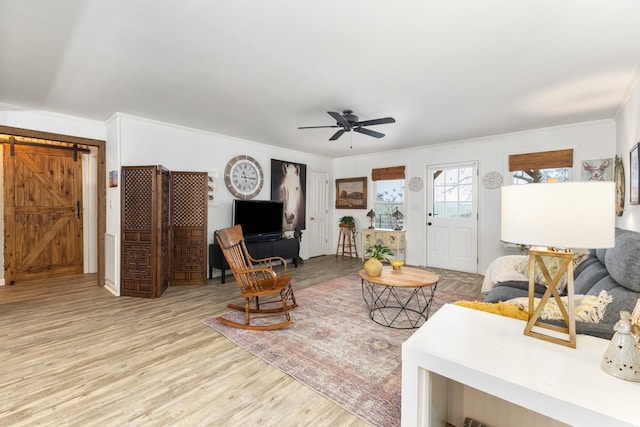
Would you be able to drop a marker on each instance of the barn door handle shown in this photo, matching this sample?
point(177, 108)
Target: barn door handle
point(78, 209)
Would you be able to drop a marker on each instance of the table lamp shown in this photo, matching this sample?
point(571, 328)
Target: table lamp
point(554, 219)
point(371, 214)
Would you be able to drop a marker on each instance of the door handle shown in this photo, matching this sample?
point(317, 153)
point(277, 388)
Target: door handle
point(78, 209)
point(312, 219)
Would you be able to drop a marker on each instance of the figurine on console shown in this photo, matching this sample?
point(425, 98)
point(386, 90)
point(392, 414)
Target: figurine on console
point(622, 358)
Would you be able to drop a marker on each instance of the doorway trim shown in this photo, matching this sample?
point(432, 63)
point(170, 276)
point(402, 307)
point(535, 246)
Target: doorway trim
point(100, 179)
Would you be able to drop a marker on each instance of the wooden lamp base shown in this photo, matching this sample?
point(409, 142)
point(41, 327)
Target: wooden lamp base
point(566, 267)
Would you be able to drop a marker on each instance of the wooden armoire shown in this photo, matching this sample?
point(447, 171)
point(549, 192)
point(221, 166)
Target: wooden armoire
point(164, 229)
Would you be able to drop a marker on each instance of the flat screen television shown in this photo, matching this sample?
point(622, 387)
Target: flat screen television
point(261, 220)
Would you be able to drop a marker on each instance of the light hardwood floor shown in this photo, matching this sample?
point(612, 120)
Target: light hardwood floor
point(73, 354)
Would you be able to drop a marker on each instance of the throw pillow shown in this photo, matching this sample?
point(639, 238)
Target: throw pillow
point(553, 265)
point(503, 269)
point(588, 308)
point(622, 261)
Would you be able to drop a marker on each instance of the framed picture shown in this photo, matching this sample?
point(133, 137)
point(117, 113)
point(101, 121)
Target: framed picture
point(212, 187)
point(597, 170)
point(113, 178)
point(289, 186)
point(351, 193)
point(634, 176)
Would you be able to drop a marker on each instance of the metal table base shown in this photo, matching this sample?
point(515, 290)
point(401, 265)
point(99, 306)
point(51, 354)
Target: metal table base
point(399, 308)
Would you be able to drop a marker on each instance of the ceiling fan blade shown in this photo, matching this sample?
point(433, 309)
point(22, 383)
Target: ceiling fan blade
point(369, 132)
point(337, 135)
point(377, 121)
point(339, 119)
point(318, 127)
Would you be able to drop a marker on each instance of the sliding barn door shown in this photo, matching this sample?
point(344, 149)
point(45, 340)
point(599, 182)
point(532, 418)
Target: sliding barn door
point(43, 212)
point(189, 195)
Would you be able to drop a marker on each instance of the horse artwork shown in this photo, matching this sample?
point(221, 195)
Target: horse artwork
point(288, 185)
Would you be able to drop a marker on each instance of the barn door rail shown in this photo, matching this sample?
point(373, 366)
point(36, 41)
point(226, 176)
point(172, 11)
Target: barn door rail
point(75, 148)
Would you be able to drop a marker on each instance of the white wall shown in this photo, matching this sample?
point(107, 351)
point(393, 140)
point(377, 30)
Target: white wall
point(133, 140)
point(628, 135)
point(590, 140)
point(45, 121)
point(147, 142)
point(112, 201)
point(137, 141)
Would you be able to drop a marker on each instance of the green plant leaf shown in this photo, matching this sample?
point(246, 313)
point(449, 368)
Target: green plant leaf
point(379, 252)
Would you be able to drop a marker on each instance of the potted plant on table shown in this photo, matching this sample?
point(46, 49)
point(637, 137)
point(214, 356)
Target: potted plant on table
point(376, 254)
point(349, 222)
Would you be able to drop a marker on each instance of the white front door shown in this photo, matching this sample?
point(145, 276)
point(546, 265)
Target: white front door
point(452, 219)
point(318, 216)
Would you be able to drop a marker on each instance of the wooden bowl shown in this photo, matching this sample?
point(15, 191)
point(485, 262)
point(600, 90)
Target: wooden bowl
point(396, 263)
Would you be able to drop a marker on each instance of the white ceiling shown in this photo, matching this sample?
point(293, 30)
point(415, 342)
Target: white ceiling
point(258, 69)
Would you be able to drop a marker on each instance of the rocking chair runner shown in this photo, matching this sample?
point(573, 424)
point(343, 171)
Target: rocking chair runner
point(256, 279)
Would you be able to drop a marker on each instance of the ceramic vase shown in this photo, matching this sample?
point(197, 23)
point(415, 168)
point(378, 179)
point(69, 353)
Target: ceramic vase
point(373, 267)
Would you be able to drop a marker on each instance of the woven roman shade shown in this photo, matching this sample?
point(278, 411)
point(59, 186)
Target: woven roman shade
point(394, 172)
point(541, 160)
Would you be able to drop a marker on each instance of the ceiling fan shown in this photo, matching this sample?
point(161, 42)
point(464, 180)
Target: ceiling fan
point(348, 121)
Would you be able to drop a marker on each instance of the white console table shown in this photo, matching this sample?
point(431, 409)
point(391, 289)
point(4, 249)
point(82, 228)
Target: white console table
point(396, 240)
point(462, 356)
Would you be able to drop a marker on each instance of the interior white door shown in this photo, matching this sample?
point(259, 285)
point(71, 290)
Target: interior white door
point(318, 217)
point(452, 219)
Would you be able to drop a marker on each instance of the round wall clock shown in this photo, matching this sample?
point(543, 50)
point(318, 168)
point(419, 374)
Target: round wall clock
point(492, 180)
point(415, 183)
point(243, 177)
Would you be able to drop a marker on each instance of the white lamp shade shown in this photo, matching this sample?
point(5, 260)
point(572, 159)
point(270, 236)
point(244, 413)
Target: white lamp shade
point(564, 215)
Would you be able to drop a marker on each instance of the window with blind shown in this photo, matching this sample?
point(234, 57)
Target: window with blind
point(389, 191)
point(543, 166)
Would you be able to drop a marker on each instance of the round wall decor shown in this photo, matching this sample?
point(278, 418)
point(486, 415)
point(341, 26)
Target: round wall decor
point(492, 180)
point(244, 177)
point(415, 183)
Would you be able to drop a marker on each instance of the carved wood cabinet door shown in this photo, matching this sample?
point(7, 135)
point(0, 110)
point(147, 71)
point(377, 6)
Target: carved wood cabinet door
point(145, 240)
point(164, 230)
point(189, 195)
point(43, 213)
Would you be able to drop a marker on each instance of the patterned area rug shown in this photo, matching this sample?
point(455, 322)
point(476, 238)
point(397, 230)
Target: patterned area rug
point(334, 348)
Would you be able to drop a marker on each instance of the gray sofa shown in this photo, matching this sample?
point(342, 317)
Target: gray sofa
point(616, 270)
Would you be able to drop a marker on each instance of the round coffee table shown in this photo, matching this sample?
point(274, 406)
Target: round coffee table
point(397, 298)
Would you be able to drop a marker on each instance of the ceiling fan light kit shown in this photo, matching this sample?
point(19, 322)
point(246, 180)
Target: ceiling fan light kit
point(347, 122)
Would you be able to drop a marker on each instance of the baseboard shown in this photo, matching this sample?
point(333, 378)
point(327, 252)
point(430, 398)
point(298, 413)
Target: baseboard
point(111, 288)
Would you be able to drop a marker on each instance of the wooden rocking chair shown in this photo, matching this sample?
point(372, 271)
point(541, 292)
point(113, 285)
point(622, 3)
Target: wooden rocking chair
point(272, 293)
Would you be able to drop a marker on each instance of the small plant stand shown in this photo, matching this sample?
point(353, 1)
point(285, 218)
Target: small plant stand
point(347, 240)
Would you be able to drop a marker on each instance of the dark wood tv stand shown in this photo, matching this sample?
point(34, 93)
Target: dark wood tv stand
point(285, 248)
